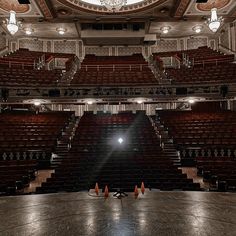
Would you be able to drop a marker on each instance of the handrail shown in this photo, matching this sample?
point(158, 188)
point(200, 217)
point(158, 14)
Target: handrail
point(3, 48)
point(227, 48)
point(13, 63)
point(210, 61)
point(115, 66)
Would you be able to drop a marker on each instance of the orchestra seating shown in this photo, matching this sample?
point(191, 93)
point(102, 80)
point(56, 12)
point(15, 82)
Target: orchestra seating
point(25, 133)
point(27, 141)
point(16, 174)
point(213, 133)
point(219, 171)
point(96, 156)
point(114, 70)
point(200, 129)
point(222, 73)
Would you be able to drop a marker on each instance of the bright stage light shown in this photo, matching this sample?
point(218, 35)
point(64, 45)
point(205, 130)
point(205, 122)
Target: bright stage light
point(120, 140)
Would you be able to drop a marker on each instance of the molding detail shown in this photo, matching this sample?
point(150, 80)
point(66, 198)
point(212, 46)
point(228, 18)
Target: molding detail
point(45, 9)
point(133, 8)
point(181, 7)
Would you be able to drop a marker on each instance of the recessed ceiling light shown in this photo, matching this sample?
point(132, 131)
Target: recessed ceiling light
point(37, 103)
point(139, 101)
point(191, 101)
point(61, 31)
point(165, 29)
point(28, 31)
point(198, 29)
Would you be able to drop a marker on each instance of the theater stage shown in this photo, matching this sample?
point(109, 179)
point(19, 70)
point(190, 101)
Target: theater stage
point(155, 213)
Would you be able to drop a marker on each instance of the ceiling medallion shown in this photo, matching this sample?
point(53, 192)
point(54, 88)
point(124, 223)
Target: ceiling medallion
point(8, 5)
point(124, 6)
point(113, 5)
point(219, 4)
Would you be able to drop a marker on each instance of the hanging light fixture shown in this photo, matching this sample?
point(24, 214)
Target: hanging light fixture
point(215, 21)
point(12, 24)
point(113, 5)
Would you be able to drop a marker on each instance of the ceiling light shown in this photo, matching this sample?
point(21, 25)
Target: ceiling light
point(191, 101)
point(61, 31)
point(37, 103)
point(113, 5)
point(197, 29)
point(90, 102)
point(28, 31)
point(12, 24)
point(165, 29)
point(214, 22)
point(139, 101)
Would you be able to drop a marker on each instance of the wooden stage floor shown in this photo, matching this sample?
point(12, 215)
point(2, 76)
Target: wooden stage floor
point(155, 213)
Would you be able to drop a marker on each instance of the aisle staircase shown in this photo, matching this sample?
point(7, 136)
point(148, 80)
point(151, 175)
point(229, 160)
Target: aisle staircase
point(64, 143)
point(166, 142)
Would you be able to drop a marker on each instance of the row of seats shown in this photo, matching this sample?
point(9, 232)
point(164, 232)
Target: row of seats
point(97, 156)
point(200, 56)
point(194, 132)
point(114, 70)
point(219, 172)
point(17, 129)
point(28, 77)
point(15, 175)
point(215, 73)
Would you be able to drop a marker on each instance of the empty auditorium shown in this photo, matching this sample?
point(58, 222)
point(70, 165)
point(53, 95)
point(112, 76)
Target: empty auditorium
point(117, 117)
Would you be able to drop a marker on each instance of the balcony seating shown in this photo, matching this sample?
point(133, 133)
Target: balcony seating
point(26, 68)
point(113, 71)
point(22, 58)
point(200, 56)
point(96, 156)
point(28, 77)
point(223, 73)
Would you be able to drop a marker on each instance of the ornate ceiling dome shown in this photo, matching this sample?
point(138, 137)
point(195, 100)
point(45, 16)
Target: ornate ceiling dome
point(212, 4)
point(95, 6)
point(8, 5)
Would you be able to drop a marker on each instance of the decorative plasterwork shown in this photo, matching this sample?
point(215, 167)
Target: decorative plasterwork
point(224, 7)
point(86, 7)
point(181, 7)
point(47, 12)
point(212, 4)
point(7, 5)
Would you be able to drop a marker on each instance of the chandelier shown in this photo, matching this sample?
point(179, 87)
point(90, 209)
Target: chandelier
point(12, 24)
point(113, 5)
point(215, 21)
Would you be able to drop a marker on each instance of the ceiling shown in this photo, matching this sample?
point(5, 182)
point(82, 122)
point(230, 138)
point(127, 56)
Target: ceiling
point(45, 16)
